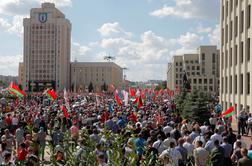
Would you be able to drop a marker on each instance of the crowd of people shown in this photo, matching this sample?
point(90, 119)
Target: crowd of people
point(36, 129)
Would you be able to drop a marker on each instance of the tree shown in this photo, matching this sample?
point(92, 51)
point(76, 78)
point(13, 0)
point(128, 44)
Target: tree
point(180, 100)
point(104, 87)
point(90, 87)
point(196, 107)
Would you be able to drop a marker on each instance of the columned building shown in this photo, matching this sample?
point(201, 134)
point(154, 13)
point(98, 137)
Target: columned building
point(235, 63)
point(47, 45)
point(202, 70)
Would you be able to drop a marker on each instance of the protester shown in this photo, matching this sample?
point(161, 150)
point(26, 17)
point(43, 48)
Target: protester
point(98, 127)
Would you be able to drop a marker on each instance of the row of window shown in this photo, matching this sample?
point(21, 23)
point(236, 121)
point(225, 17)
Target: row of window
point(200, 81)
point(233, 56)
point(229, 81)
point(102, 69)
point(237, 21)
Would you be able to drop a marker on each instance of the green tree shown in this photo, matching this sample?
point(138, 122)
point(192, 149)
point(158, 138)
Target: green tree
point(195, 107)
point(90, 87)
point(180, 100)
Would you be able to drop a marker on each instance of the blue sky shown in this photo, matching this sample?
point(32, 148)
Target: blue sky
point(143, 35)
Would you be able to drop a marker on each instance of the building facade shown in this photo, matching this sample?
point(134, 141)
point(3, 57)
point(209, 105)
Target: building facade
point(235, 66)
point(97, 73)
point(21, 73)
point(47, 45)
point(201, 69)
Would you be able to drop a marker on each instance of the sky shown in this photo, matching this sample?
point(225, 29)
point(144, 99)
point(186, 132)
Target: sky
point(142, 35)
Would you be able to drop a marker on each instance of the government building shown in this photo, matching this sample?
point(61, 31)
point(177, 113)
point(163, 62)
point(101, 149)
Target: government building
point(201, 68)
point(235, 64)
point(47, 54)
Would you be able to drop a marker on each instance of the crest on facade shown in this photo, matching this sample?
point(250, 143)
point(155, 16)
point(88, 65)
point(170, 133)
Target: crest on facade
point(42, 17)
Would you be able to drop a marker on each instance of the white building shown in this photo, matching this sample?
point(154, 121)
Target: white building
point(202, 69)
point(235, 66)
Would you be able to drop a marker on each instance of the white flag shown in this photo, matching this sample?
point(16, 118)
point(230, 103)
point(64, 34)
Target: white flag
point(126, 97)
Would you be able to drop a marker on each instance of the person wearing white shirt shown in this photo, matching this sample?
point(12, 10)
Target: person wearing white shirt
point(216, 136)
point(209, 144)
point(189, 146)
point(172, 154)
point(159, 144)
point(168, 140)
point(249, 123)
point(167, 129)
point(243, 144)
point(204, 128)
point(199, 138)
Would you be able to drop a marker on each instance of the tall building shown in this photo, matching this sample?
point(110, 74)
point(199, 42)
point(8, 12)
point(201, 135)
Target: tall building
point(47, 45)
point(235, 66)
point(97, 73)
point(21, 73)
point(201, 69)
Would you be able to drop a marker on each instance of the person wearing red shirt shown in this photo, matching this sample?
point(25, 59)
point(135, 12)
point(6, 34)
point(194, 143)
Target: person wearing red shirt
point(8, 120)
point(22, 152)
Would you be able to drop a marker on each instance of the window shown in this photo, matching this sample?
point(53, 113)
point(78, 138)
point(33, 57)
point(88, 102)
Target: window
point(226, 59)
point(248, 49)
point(222, 64)
point(226, 85)
point(231, 30)
point(241, 52)
point(226, 33)
point(248, 16)
point(205, 81)
point(241, 84)
point(203, 56)
point(230, 84)
point(222, 36)
point(213, 58)
point(210, 88)
point(235, 55)
point(211, 81)
point(236, 25)
point(226, 8)
point(176, 63)
point(230, 57)
point(180, 63)
point(198, 68)
point(242, 22)
point(205, 88)
point(200, 81)
point(231, 5)
point(235, 84)
point(195, 81)
point(248, 83)
point(193, 67)
point(222, 83)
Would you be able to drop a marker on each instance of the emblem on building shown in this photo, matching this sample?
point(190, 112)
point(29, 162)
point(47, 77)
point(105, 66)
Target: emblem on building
point(42, 17)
